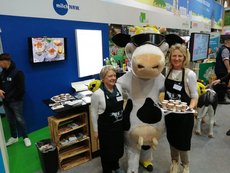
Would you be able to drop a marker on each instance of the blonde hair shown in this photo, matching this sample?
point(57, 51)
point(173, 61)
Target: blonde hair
point(105, 70)
point(183, 49)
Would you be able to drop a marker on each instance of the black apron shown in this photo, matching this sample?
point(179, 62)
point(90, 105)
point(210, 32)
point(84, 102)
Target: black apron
point(110, 126)
point(178, 126)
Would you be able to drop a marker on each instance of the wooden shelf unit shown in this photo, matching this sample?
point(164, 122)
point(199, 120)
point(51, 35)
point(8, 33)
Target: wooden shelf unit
point(71, 136)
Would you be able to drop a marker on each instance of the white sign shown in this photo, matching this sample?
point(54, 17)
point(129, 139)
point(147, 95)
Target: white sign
point(89, 51)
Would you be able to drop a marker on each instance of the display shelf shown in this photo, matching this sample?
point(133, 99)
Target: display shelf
point(70, 152)
point(66, 130)
point(70, 132)
point(74, 161)
point(72, 142)
point(61, 119)
point(70, 111)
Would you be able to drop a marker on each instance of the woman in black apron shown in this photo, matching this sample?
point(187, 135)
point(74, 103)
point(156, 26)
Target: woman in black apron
point(179, 126)
point(110, 128)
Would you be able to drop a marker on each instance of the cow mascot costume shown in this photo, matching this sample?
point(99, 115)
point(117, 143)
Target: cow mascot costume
point(207, 105)
point(144, 122)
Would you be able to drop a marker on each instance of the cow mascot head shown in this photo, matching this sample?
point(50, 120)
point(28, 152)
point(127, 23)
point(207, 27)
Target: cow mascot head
point(144, 121)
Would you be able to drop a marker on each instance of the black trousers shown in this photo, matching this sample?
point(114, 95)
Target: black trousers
point(221, 90)
point(111, 149)
point(109, 165)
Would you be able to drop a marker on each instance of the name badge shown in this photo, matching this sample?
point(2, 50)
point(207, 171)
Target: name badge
point(119, 98)
point(9, 79)
point(177, 87)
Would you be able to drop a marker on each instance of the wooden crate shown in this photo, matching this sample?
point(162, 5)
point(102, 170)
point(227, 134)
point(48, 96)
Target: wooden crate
point(71, 136)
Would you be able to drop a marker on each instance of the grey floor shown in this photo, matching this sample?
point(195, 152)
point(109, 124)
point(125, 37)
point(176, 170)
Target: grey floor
point(207, 155)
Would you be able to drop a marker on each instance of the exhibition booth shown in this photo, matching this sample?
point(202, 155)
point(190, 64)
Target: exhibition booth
point(62, 47)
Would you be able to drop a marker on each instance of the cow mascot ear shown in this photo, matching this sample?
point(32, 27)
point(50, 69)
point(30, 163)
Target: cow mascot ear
point(172, 39)
point(129, 49)
point(121, 39)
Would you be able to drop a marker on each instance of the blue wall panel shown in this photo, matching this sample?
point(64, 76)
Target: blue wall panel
point(2, 168)
point(48, 79)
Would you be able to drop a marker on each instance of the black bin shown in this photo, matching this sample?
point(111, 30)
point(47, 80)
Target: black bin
point(48, 155)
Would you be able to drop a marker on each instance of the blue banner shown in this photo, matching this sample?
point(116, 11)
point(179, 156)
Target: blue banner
point(181, 3)
point(169, 1)
point(2, 169)
point(214, 43)
point(218, 10)
point(201, 8)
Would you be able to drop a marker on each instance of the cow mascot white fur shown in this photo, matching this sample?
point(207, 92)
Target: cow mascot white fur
point(207, 104)
point(143, 84)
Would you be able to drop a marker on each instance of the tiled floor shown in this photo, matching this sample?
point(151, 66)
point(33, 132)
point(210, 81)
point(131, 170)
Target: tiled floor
point(206, 156)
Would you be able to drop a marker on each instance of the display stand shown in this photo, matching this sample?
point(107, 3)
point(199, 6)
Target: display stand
point(70, 130)
point(71, 135)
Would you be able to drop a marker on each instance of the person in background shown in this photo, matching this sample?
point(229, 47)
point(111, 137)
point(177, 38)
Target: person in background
point(215, 82)
point(222, 68)
point(107, 119)
point(12, 90)
point(180, 84)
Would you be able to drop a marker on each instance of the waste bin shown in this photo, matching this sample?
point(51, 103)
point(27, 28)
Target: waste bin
point(48, 155)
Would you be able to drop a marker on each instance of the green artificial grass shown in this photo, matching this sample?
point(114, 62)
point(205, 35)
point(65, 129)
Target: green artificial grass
point(5, 127)
point(24, 159)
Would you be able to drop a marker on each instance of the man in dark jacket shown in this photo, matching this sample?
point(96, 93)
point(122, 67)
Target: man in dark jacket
point(12, 90)
point(222, 68)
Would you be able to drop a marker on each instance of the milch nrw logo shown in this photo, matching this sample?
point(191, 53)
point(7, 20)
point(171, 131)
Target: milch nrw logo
point(61, 7)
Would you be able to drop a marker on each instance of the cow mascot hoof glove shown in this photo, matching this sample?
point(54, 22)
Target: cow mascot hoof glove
point(143, 84)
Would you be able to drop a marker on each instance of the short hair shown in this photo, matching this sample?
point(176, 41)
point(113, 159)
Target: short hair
point(105, 70)
point(227, 41)
point(183, 49)
point(5, 56)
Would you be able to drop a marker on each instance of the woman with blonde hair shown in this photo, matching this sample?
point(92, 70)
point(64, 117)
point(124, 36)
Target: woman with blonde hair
point(180, 84)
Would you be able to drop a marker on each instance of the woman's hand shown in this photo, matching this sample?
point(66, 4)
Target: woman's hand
point(215, 82)
point(96, 135)
point(2, 94)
